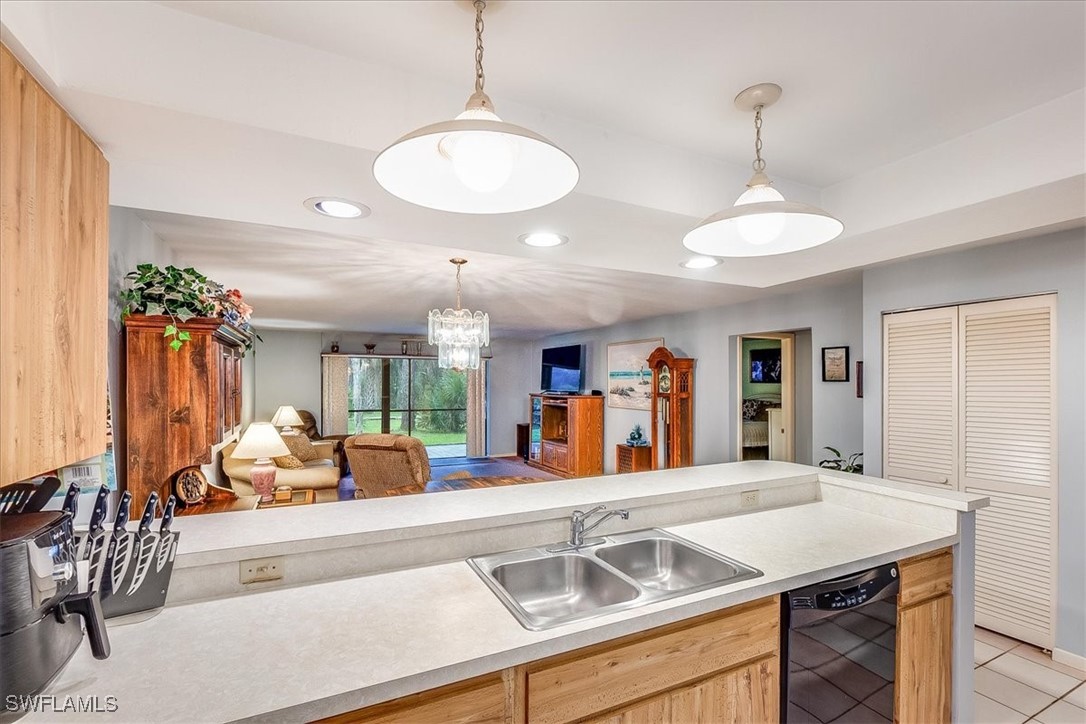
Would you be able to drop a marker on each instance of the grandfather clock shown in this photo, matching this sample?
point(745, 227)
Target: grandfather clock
point(672, 409)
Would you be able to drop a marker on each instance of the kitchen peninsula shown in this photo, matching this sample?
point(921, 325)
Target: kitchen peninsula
point(377, 603)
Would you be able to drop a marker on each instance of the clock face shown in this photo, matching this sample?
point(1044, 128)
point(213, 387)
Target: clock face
point(664, 385)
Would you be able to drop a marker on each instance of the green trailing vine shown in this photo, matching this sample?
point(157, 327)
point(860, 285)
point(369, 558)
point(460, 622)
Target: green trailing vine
point(181, 294)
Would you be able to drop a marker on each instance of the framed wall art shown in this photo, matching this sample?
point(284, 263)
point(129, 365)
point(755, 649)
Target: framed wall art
point(835, 364)
point(629, 379)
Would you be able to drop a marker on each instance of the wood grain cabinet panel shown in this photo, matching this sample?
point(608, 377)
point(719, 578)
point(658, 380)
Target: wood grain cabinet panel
point(587, 682)
point(492, 699)
point(745, 695)
point(54, 221)
point(925, 629)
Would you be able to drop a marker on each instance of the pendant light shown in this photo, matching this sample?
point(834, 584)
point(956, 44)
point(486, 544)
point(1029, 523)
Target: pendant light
point(476, 163)
point(761, 222)
point(458, 333)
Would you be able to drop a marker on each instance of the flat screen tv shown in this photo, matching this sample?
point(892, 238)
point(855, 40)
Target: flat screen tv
point(765, 365)
point(563, 369)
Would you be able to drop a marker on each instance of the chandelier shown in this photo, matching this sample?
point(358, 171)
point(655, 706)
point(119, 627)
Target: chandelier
point(761, 222)
point(458, 333)
point(476, 163)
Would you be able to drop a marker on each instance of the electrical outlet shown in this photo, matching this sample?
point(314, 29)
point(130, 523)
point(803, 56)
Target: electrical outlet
point(256, 570)
point(748, 499)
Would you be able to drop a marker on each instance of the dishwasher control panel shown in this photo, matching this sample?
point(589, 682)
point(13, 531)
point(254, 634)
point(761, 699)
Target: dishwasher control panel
point(845, 593)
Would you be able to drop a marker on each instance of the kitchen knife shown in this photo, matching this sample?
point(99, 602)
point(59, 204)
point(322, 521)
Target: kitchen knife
point(120, 545)
point(71, 501)
point(145, 543)
point(41, 495)
point(93, 543)
point(166, 536)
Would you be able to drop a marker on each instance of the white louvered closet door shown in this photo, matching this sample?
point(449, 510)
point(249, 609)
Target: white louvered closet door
point(1007, 443)
point(920, 396)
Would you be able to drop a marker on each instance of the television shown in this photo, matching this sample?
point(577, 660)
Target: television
point(563, 369)
point(765, 365)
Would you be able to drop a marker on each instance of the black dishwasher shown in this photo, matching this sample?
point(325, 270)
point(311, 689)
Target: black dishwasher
point(838, 640)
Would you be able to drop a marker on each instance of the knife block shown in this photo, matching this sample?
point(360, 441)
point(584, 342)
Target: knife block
point(150, 593)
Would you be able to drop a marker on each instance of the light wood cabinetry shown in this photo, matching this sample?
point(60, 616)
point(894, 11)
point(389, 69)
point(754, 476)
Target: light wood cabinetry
point(496, 698)
point(567, 434)
point(179, 404)
point(54, 206)
point(924, 639)
point(721, 667)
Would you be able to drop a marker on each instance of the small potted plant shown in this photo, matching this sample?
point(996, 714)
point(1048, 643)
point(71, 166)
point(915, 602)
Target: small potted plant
point(852, 464)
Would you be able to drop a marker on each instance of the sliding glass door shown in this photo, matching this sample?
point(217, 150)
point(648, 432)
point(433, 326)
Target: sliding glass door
point(409, 397)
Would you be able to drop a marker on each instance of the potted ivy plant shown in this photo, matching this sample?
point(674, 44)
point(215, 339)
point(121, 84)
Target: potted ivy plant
point(182, 294)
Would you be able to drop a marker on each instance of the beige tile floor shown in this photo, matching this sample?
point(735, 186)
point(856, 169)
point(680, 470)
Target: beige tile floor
point(1017, 682)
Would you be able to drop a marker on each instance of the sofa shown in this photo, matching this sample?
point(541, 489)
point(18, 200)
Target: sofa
point(309, 427)
point(379, 462)
point(321, 475)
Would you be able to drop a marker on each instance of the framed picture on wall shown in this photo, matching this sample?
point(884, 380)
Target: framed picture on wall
point(835, 364)
point(765, 366)
point(629, 379)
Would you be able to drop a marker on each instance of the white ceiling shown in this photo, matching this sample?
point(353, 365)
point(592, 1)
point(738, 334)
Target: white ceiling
point(923, 126)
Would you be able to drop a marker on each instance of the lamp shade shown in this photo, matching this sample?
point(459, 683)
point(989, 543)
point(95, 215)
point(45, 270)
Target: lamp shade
point(286, 415)
point(795, 226)
point(261, 440)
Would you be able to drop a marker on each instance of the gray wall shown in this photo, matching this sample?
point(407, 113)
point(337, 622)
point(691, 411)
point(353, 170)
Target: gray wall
point(287, 371)
point(131, 242)
point(833, 316)
point(1052, 263)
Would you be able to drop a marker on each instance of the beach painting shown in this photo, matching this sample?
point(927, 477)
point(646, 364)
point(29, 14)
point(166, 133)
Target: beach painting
point(629, 379)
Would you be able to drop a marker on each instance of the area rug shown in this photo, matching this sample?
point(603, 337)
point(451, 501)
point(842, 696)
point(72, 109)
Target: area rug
point(466, 469)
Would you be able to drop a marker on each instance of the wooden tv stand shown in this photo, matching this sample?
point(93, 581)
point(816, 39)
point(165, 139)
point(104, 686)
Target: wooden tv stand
point(566, 434)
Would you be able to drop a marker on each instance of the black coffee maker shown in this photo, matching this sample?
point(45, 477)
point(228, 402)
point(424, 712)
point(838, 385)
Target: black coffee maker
point(40, 606)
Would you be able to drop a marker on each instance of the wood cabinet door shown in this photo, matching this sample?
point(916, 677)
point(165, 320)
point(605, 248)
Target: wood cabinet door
point(54, 198)
point(924, 650)
point(744, 695)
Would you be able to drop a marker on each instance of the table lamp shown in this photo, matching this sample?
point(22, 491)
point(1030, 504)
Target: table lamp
point(286, 416)
point(260, 443)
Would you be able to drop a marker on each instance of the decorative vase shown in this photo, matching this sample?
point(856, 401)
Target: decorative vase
point(262, 477)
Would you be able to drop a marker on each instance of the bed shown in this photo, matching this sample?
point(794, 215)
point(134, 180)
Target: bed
point(756, 419)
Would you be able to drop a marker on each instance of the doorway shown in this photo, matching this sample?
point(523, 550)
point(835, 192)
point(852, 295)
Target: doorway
point(765, 418)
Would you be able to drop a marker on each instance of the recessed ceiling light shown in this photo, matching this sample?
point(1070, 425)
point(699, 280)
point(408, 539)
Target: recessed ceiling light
point(700, 262)
point(543, 239)
point(337, 208)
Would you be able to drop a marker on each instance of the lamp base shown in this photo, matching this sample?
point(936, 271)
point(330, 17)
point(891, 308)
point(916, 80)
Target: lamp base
point(262, 477)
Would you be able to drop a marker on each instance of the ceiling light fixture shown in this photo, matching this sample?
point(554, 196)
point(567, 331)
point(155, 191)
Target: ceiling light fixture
point(761, 222)
point(700, 262)
point(458, 333)
point(543, 239)
point(336, 208)
point(476, 163)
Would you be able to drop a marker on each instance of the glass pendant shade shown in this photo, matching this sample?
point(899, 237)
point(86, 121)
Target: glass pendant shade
point(476, 166)
point(726, 233)
point(458, 334)
point(476, 163)
point(762, 222)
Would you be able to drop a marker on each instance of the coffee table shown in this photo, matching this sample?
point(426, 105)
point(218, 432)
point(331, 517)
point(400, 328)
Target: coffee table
point(297, 497)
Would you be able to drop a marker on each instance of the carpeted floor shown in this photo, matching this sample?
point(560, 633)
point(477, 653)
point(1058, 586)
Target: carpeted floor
point(474, 467)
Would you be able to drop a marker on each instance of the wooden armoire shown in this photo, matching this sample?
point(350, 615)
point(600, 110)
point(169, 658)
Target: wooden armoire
point(178, 404)
point(672, 409)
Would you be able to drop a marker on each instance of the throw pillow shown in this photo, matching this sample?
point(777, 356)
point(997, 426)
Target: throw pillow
point(300, 447)
point(288, 462)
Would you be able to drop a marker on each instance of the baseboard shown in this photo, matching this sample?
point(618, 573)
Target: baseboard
point(504, 455)
point(1069, 659)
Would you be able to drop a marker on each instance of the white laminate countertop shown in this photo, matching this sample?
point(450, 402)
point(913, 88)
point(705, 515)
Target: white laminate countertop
point(301, 653)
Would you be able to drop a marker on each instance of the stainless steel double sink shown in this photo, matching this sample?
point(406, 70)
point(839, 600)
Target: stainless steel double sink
point(544, 588)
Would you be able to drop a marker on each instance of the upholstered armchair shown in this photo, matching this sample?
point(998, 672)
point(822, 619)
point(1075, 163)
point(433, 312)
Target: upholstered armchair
point(309, 427)
point(321, 474)
point(380, 462)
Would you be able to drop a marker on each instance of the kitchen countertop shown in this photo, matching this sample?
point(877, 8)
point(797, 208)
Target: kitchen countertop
point(309, 651)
